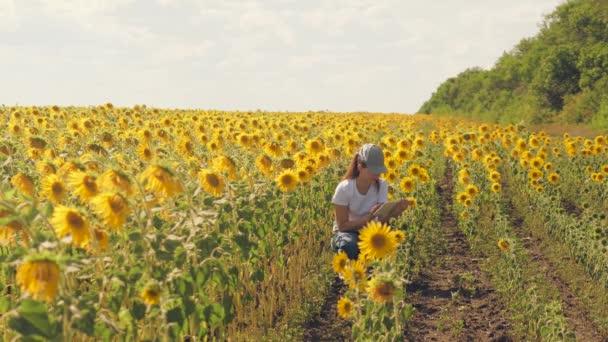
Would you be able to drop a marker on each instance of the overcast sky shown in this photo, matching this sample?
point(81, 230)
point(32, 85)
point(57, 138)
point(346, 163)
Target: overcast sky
point(293, 55)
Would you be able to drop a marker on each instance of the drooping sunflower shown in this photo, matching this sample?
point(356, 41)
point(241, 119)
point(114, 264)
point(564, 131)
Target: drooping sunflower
point(112, 207)
point(339, 262)
point(53, 188)
point(115, 180)
point(161, 180)
point(287, 181)
point(101, 239)
point(345, 307)
point(381, 290)
point(273, 148)
point(212, 182)
point(66, 221)
point(354, 274)
point(151, 293)
point(376, 240)
point(84, 185)
point(264, 164)
point(23, 183)
point(39, 278)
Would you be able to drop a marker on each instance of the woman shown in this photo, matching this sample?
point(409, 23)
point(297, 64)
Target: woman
point(358, 196)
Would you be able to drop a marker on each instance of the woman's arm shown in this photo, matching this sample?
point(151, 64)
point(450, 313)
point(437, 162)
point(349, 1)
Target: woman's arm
point(344, 225)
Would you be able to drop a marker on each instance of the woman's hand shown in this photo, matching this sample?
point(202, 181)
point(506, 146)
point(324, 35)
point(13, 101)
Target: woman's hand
point(374, 208)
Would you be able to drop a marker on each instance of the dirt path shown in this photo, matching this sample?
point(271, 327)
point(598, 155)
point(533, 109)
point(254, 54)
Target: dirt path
point(577, 317)
point(454, 299)
point(327, 326)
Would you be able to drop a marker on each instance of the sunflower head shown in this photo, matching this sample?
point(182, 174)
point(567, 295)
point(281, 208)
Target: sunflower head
point(287, 181)
point(376, 240)
point(381, 290)
point(345, 307)
point(39, 277)
point(340, 262)
point(504, 245)
point(151, 293)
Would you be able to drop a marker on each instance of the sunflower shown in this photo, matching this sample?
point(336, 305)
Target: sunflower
point(39, 278)
point(496, 187)
point(376, 240)
point(390, 176)
point(354, 274)
point(381, 290)
point(494, 176)
point(339, 262)
point(345, 307)
point(407, 184)
point(399, 236)
point(23, 183)
point(115, 180)
point(226, 165)
point(244, 140)
point(504, 245)
point(464, 215)
point(151, 293)
point(287, 180)
point(211, 182)
point(462, 197)
point(604, 169)
point(70, 221)
point(112, 208)
point(273, 148)
point(535, 174)
point(101, 237)
point(53, 188)
point(161, 180)
point(553, 178)
point(303, 175)
point(264, 164)
point(314, 146)
point(414, 170)
point(472, 190)
point(145, 152)
point(84, 185)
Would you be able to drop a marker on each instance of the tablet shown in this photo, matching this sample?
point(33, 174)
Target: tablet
point(386, 208)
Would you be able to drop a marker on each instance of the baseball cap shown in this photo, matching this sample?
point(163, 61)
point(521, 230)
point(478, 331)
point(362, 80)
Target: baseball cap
point(373, 158)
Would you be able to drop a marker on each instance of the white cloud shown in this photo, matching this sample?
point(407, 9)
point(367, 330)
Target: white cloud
point(8, 16)
point(386, 55)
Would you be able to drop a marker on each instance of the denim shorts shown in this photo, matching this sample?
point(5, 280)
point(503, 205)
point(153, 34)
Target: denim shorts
point(346, 242)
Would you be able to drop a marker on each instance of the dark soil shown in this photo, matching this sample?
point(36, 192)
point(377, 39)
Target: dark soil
point(327, 325)
point(454, 300)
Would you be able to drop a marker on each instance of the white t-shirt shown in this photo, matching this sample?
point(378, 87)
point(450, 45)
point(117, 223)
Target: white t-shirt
point(359, 205)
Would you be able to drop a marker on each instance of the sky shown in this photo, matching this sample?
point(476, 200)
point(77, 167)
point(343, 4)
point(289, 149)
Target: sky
point(274, 55)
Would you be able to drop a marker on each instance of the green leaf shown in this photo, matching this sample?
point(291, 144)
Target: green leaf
point(214, 314)
point(138, 310)
point(175, 316)
point(32, 320)
point(86, 323)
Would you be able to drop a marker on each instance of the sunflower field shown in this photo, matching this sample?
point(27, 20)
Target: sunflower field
point(153, 224)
